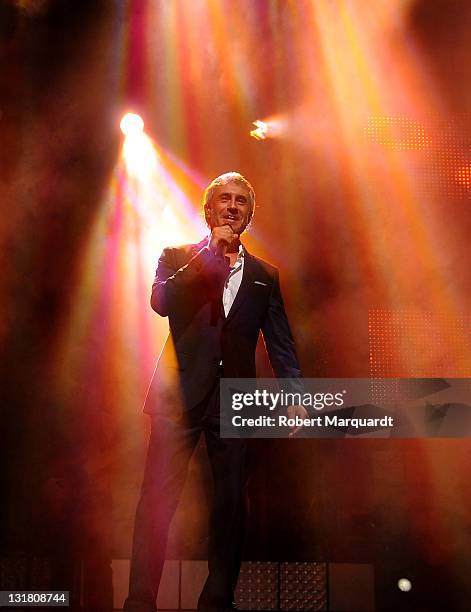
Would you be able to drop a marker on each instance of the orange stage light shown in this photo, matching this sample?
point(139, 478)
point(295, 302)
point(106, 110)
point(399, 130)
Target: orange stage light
point(399, 133)
point(463, 176)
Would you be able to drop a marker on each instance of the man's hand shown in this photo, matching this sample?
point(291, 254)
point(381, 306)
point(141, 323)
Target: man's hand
point(221, 238)
point(293, 412)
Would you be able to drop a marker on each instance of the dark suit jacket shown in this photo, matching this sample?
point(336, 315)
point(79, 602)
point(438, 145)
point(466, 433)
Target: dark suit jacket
point(188, 288)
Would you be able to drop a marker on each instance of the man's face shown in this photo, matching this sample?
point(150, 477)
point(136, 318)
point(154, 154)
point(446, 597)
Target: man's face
point(230, 205)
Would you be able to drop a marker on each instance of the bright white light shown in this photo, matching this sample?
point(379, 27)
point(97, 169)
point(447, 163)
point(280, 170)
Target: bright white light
point(131, 124)
point(272, 127)
point(140, 156)
point(404, 584)
point(261, 132)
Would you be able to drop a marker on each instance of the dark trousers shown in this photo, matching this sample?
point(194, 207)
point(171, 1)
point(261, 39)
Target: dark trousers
point(171, 445)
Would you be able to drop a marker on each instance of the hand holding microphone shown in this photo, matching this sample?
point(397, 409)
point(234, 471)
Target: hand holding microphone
point(221, 237)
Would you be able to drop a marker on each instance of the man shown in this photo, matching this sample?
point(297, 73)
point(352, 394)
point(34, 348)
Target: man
point(218, 298)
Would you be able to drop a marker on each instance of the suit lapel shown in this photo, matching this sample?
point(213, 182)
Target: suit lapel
point(191, 251)
point(197, 247)
point(246, 286)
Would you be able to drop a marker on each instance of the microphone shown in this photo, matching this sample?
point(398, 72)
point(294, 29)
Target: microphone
point(223, 245)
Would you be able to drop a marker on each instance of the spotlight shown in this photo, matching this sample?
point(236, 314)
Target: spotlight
point(138, 151)
point(271, 127)
point(404, 585)
point(131, 124)
point(261, 132)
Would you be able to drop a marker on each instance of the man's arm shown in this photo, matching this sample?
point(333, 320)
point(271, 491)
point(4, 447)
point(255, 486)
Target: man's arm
point(281, 349)
point(171, 283)
point(278, 337)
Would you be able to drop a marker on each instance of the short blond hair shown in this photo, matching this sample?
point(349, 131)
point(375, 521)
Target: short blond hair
point(223, 179)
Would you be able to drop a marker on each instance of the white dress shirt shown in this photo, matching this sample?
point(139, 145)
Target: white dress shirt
point(232, 284)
